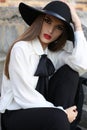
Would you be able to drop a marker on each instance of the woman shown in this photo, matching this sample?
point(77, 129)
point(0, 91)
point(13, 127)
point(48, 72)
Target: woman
point(40, 77)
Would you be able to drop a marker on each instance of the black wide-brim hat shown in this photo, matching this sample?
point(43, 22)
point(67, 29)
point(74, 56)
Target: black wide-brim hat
point(57, 9)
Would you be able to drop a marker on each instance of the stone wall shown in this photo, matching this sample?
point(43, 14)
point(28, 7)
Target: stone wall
point(11, 26)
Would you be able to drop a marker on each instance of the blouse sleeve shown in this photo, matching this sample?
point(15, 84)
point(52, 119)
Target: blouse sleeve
point(77, 60)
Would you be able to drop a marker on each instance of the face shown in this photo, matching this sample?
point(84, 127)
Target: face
point(52, 28)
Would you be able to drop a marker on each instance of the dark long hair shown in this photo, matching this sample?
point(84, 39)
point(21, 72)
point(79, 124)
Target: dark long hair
point(31, 33)
point(59, 43)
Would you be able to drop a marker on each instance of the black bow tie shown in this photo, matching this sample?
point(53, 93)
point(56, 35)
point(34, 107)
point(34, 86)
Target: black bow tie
point(45, 69)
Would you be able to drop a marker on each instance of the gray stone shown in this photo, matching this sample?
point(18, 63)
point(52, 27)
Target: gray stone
point(9, 13)
point(85, 94)
point(10, 35)
point(83, 121)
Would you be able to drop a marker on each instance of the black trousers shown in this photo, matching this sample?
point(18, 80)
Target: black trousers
point(65, 90)
point(63, 87)
point(62, 90)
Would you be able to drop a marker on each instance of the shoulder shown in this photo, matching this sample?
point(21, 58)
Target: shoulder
point(22, 46)
point(21, 52)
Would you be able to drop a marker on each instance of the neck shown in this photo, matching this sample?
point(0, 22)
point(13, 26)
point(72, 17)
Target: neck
point(44, 46)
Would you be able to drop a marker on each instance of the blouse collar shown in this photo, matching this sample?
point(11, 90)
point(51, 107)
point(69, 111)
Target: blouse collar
point(38, 47)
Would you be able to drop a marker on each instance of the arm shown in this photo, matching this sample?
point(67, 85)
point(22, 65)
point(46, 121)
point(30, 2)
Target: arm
point(75, 19)
point(77, 60)
point(23, 81)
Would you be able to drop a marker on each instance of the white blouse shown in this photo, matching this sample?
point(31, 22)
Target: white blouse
point(19, 92)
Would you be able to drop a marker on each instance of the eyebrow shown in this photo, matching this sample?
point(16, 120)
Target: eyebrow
point(49, 18)
point(52, 20)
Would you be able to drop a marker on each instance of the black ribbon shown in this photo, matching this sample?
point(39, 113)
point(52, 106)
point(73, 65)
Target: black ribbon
point(45, 69)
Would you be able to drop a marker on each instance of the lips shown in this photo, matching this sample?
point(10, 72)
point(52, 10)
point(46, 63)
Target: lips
point(48, 37)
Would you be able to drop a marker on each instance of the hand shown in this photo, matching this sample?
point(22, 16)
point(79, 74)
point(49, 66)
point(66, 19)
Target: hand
point(75, 19)
point(71, 113)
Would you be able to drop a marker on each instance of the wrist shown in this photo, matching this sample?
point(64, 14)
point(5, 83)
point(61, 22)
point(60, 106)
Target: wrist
point(66, 112)
point(77, 26)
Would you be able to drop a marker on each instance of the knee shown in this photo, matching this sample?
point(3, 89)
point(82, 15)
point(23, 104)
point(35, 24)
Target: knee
point(61, 121)
point(67, 68)
point(67, 72)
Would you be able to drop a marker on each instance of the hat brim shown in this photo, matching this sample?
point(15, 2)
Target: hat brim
point(29, 14)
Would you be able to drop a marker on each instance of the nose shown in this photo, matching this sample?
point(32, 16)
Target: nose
point(51, 29)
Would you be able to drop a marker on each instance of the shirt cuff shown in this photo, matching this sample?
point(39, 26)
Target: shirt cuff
point(78, 34)
point(60, 107)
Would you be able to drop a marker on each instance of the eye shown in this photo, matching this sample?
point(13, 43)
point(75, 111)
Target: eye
point(60, 27)
point(47, 20)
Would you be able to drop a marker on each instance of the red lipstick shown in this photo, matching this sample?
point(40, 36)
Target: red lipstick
point(48, 37)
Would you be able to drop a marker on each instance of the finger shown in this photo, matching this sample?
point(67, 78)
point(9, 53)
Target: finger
point(74, 107)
